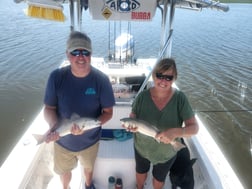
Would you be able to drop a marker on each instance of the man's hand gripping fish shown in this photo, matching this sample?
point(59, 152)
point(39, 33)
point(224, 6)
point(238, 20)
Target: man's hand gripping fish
point(64, 127)
point(147, 129)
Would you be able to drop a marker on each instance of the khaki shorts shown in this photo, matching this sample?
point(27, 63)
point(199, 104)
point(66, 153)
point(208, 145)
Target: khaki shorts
point(65, 160)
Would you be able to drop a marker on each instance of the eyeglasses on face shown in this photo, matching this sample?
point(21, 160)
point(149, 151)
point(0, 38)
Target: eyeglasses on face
point(165, 77)
point(80, 52)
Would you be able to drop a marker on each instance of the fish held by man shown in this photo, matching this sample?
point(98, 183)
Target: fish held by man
point(147, 129)
point(64, 127)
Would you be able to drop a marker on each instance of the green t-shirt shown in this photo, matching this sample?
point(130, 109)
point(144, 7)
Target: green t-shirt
point(172, 115)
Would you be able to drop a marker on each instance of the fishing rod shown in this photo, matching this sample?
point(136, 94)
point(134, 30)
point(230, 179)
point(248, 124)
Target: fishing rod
point(213, 111)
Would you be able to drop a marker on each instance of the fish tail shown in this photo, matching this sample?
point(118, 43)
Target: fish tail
point(39, 138)
point(177, 145)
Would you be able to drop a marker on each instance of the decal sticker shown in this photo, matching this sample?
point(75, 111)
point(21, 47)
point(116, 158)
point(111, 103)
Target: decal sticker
point(122, 5)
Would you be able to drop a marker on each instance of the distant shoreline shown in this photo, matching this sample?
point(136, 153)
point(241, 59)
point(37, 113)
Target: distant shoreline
point(236, 1)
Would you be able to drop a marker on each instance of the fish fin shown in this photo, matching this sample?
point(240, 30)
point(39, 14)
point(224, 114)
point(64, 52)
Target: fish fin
point(39, 138)
point(158, 140)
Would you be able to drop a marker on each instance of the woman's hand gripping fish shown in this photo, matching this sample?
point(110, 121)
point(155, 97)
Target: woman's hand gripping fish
point(145, 128)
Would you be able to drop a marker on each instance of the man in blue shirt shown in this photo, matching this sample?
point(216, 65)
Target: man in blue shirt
point(83, 90)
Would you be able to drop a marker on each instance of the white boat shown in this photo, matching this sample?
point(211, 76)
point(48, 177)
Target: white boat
point(30, 166)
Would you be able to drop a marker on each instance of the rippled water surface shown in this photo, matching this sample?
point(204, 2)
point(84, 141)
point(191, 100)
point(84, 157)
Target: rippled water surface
point(212, 49)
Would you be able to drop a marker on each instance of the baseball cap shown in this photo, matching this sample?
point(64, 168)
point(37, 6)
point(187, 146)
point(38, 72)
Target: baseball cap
point(78, 40)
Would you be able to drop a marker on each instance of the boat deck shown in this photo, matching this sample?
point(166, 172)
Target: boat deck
point(115, 158)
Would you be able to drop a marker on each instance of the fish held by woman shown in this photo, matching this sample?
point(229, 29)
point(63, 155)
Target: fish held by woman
point(148, 130)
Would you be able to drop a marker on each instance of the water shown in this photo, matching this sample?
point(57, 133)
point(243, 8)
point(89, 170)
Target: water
point(212, 49)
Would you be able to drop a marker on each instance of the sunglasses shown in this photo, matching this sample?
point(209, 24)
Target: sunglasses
point(80, 52)
point(165, 77)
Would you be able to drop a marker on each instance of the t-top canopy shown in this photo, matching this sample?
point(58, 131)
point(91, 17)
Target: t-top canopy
point(128, 10)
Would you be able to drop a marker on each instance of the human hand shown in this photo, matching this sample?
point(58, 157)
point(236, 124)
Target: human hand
point(52, 136)
point(130, 128)
point(76, 130)
point(167, 136)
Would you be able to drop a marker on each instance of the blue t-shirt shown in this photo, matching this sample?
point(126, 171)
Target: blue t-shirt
point(85, 97)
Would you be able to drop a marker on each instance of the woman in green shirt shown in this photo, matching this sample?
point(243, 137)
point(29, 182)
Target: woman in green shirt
point(167, 109)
